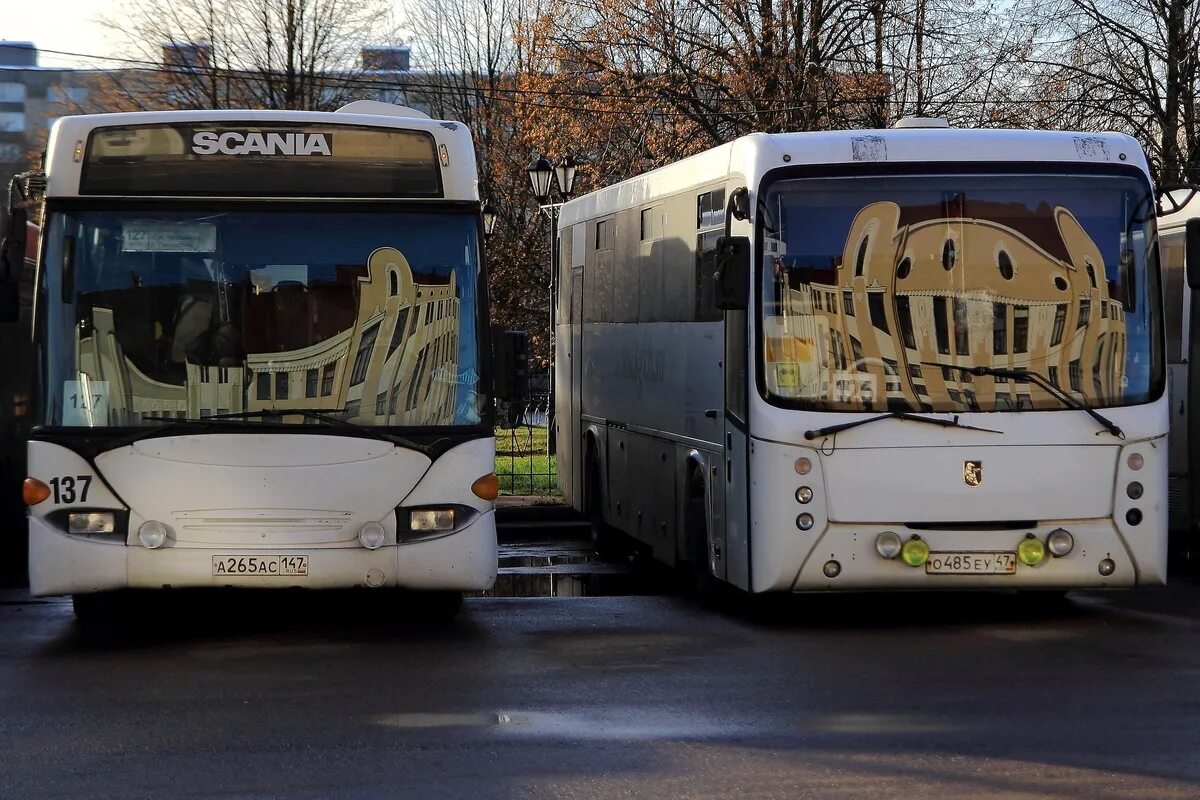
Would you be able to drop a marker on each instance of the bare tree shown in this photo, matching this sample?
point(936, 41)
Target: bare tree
point(302, 54)
point(1131, 65)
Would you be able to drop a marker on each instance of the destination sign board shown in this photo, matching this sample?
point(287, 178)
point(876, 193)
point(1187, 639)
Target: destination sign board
point(256, 160)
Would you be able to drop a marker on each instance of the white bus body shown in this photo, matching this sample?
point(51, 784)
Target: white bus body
point(1180, 349)
point(890, 270)
point(200, 270)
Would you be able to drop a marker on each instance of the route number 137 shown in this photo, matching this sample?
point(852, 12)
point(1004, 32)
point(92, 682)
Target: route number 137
point(71, 489)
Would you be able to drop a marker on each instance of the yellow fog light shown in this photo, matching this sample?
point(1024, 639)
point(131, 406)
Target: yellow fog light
point(914, 552)
point(1031, 551)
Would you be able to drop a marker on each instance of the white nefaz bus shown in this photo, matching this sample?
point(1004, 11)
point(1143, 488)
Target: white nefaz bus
point(914, 358)
point(1179, 231)
point(260, 341)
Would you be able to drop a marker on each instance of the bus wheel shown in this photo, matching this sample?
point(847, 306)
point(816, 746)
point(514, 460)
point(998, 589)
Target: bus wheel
point(604, 540)
point(697, 573)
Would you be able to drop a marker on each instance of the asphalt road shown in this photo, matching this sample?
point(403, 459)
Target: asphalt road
point(593, 697)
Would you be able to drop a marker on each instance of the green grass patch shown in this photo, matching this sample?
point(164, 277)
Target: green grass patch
point(522, 464)
point(520, 475)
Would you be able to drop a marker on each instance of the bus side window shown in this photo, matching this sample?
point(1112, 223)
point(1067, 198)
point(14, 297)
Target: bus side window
point(706, 266)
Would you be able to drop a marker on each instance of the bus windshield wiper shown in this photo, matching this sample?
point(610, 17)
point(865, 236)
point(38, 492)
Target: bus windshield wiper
point(329, 419)
point(1054, 391)
point(845, 426)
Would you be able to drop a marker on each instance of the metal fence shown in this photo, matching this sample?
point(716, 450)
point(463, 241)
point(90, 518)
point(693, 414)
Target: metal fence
point(523, 462)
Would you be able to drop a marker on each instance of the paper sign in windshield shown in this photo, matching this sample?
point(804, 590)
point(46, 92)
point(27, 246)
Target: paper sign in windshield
point(168, 237)
point(85, 402)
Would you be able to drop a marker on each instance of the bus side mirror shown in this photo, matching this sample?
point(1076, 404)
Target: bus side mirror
point(732, 278)
point(511, 366)
point(1191, 253)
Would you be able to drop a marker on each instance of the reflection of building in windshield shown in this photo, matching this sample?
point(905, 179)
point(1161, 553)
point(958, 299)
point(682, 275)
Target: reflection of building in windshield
point(379, 347)
point(389, 368)
point(923, 290)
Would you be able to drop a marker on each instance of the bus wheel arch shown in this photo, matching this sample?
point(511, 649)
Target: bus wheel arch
point(602, 535)
point(695, 547)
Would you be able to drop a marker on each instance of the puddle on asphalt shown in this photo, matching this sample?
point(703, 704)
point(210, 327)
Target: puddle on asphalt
point(562, 570)
point(627, 724)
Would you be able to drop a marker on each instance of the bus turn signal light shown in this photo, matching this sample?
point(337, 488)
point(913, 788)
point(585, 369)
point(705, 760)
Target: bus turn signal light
point(487, 487)
point(34, 491)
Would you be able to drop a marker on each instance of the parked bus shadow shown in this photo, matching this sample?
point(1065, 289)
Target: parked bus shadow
point(868, 610)
point(131, 620)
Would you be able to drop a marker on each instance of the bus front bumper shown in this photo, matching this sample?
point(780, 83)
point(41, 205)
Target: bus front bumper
point(61, 564)
point(844, 557)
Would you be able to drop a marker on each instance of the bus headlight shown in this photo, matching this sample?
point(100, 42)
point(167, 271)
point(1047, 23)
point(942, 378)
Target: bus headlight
point(152, 534)
point(371, 535)
point(804, 494)
point(87, 522)
point(1060, 542)
point(429, 520)
point(888, 544)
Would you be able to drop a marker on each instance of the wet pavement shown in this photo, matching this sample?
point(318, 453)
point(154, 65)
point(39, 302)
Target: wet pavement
point(605, 695)
point(569, 568)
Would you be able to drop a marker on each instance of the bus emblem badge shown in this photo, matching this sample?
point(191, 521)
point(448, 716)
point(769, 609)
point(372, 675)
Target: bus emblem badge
point(973, 472)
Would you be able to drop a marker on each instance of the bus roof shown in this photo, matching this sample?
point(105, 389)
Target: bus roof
point(753, 155)
point(70, 137)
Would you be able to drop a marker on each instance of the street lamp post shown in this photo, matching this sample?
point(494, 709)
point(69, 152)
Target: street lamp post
point(490, 215)
point(542, 177)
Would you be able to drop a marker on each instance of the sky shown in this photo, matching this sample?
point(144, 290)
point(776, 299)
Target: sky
point(69, 26)
point(66, 25)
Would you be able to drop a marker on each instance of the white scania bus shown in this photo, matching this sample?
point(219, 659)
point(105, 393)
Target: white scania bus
point(913, 358)
point(260, 342)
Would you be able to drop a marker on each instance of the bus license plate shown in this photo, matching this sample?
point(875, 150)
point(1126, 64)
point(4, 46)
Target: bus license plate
point(269, 566)
point(971, 564)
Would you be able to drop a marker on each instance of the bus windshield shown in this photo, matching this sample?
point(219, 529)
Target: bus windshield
point(884, 292)
point(369, 315)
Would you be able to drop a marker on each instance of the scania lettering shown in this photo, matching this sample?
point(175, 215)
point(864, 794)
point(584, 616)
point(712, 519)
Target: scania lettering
point(915, 358)
point(236, 143)
point(265, 372)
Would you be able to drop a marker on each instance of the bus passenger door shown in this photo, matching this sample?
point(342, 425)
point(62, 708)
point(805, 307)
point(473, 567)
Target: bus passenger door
point(735, 470)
